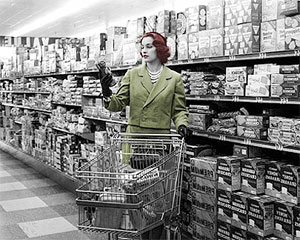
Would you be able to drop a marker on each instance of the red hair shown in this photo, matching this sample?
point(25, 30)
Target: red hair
point(160, 43)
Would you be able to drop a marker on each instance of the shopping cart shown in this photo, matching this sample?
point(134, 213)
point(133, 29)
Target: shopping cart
point(127, 200)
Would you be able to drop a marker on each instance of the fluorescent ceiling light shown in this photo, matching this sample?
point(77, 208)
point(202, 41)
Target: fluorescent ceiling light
point(70, 8)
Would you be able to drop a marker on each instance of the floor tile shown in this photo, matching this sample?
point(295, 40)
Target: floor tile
point(46, 227)
point(76, 235)
point(20, 171)
point(12, 186)
point(14, 166)
point(16, 194)
point(8, 218)
point(22, 204)
point(30, 176)
point(4, 173)
point(36, 183)
point(47, 190)
point(60, 198)
point(11, 232)
point(7, 179)
point(66, 209)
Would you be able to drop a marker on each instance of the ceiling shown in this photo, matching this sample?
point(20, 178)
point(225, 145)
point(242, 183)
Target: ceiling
point(83, 18)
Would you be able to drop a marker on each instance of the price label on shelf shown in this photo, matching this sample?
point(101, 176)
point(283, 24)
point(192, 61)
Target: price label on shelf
point(206, 59)
point(217, 98)
point(262, 55)
point(278, 146)
point(235, 99)
point(232, 58)
point(222, 138)
point(284, 100)
point(247, 141)
point(259, 99)
point(297, 52)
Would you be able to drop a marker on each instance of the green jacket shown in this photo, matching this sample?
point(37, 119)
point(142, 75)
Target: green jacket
point(151, 106)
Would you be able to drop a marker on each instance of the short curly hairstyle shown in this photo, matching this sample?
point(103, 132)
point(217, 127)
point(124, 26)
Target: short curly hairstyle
point(160, 43)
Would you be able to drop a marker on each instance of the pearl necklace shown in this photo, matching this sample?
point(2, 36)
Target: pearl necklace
point(154, 76)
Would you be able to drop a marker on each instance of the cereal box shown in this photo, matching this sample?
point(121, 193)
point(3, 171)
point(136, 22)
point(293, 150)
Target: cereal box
point(163, 22)
point(249, 11)
point(224, 205)
point(296, 222)
point(229, 173)
point(204, 218)
point(223, 230)
point(230, 12)
point(290, 189)
point(204, 43)
point(200, 232)
point(193, 45)
point(173, 23)
point(216, 42)
point(261, 215)
point(204, 202)
point(253, 175)
point(205, 167)
point(215, 14)
point(252, 121)
point(280, 34)
point(268, 36)
point(171, 43)
point(181, 23)
point(202, 17)
point(182, 47)
point(204, 186)
point(193, 19)
point(257, 90)
point(270, 9)
point(239, 209)
point(248, 38)
point(273, 178)
point(231, 40)
point(292, 32)
point(238, 234)
point(283, 220)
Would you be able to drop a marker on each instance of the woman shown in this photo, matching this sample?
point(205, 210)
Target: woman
point(154, 93)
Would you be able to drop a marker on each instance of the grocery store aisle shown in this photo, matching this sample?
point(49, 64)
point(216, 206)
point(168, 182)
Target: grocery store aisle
point(35, 207)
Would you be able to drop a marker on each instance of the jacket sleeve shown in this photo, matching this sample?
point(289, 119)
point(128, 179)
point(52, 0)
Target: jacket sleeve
point(179, 109)
point(121, 99)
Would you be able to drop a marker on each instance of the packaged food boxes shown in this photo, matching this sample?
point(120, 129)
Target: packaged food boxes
point(273, 178)
point(238, 234)
point(181, 23)
point(261, 215)
point(290, 189)
point(280, 34)
point(173, 23)
point(200, 232)
point(286, 79)
point(205, 202)
point(252, 121)
point(246, 151)
point(292, 28)
point(252, 132)
point(216, 42)
point(249, 11)
point(204, 186)
point(229, 173)
point(231, 42)
point(289, 91)
point(215, 14)
point(236, 74)
point(204, 43)
point(257, 90)
point(289, 69)
point(193, 18)
point(163, 22)
point(291, 7)
point(248, 38)
point(296, 222)
point(199, 121)
point(266, 69)
point(271, 9)
point(268, 36)
point(239, 209)
point(223, 230)
point(224, 205)
point(193, 45)
point(151, 23)
point(263, 79)
point(283, 220)
point(253, 175)
point(234, 89)
point(230, 12)
point(205, 167)
point(282, 123)
point(171, 43)
point(204, 218)
point(182, 47)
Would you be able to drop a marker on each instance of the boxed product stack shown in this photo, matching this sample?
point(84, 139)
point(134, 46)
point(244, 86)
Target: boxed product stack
point(236, 79)
point(182, 36)
point(204, 190)
point(258, 85)
point(242, 26)
point(286, 83)
point(284, 131)
point(91, 86)
point(252, 126)
point(200, 117)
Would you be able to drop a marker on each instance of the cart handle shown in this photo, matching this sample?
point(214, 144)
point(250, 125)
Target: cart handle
point(149, 135)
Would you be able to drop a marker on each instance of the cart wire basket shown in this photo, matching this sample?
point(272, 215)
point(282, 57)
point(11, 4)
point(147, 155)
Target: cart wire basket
point(131, 187)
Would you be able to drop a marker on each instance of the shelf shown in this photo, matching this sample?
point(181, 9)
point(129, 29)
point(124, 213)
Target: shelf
point(88, 136)
point(66, 104)
point(247, 141)
point(6, 79)
point(92, 95)
point(268, 100)
point(63, 179)
point(18, 122)
point(26, 92)
point(106, 120)
point(26, 107)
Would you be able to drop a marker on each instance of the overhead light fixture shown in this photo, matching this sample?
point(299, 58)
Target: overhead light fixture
point(70, 8)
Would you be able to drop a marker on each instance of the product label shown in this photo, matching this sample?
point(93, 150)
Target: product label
point(224, 205)
point(283, 219)
point(290, 177)
point(239, 210)
point(224, 231)
point(273, 179)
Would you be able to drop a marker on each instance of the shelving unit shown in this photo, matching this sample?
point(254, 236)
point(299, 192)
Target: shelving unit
point(26, 92)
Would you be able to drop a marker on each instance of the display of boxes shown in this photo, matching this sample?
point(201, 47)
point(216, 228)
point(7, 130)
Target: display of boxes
point(181, 23)
point(205, 167)
point(263, 79)
point(204, 186)
point(173, 23)
point(291, 7)
point(292, 28)
point(282, 123)
point(239, 204)
point(231, 43)
point(204, 43)
point(253, 175)
point(230, 12)
point(229, 173)
point(248, 38)
point(216, 42)
point(280, 34)
point(290, 189)
point(283, 220)
point(199, 121)
point(223, 230)
point(224, 205)
point(249, 11)
point(273, 178)
point(182, 47)
point(193, 17)
point(236, 74)
point(246, 151)
point(289, 69)
point(268, 36)
point(204, 202)
point(278, 90)
point(204, 218)
point(234, 89)
point(270, 9)
point(261, 215)
point(266, 69)
point(252, 132)
point(215, 14)
point(257, 90)
point(285, 79)
point(252, 121)
point(193, 45)
point(163, 22)
point(200, 232)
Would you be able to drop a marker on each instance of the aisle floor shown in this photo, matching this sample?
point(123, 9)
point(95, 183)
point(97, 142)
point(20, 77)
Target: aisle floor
point(35, 207)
